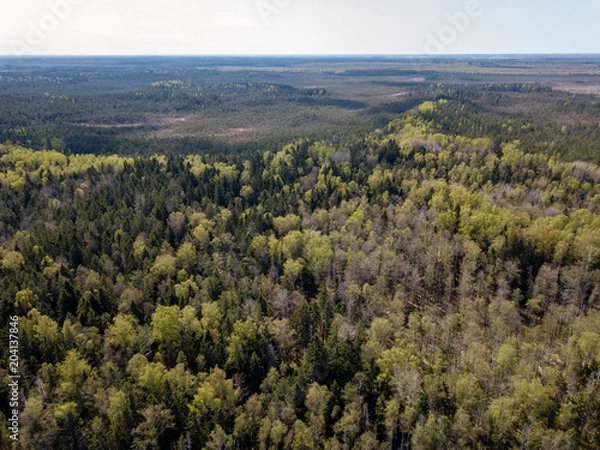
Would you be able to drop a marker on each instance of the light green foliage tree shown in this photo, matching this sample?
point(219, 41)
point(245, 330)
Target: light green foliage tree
point(12, 261)
point(123, 335)
point(186, 255)
point(317, 398)
point(284, 225)
point(176, 329)
point(72, 373)
point(432, 434)
point(214, 402)
point(148, 434)
point(165, 265)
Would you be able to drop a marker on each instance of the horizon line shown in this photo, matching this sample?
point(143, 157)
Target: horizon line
point(291, 55)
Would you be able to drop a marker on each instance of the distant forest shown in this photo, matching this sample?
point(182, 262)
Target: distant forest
point(222, 105)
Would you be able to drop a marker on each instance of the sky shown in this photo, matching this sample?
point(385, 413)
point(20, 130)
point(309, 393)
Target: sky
point(261, 27)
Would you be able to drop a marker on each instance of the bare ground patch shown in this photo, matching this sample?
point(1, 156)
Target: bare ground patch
point(586, 89)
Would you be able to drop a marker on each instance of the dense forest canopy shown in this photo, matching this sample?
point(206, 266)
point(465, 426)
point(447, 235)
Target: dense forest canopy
point(421, 272)
point(412, 290)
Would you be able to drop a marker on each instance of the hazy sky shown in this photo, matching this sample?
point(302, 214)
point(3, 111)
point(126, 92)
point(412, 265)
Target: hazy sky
point(299, 26)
